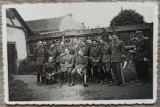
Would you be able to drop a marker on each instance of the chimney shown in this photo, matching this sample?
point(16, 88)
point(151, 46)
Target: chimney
point(70, 14)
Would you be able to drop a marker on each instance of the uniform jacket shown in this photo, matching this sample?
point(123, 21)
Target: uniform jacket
point(141, 50)
point(117, 50)
point(106, 52)
point(48, 68)
point(95, 53)
point(51, 52)
point(81, 61)
point(39, 56)
point(86, 50)
point(60, 50)
point(74, 49)
point(67, 59)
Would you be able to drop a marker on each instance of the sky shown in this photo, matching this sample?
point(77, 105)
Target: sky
point(91, 14)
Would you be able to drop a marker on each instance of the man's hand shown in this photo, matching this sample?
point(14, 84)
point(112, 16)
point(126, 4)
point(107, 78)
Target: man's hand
point(131, 51)
point(96, 60)
point(68, 66)
point(62, 54)
point(145, 59)
point(79, 71)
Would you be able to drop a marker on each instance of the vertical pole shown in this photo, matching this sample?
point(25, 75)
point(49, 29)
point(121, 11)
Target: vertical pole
point(63, 37)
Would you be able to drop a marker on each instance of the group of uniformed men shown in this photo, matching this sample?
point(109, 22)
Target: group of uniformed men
point(96, 59)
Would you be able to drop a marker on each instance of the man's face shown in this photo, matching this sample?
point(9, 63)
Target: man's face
point(62, 43)
point(110, 38)
point(94, 42)
point(98, 39)
point(39, 43)
point(101, 41)
point(88, 41)
point(50, 59)
point(82, 43)
point(44, 43)
point(139, 35)
point(75, 43)
point(56, 43)
point(115, 37)
point(66, 51)
point(52, 45)
point(80, 53)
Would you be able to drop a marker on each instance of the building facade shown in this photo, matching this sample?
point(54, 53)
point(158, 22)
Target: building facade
point(16, 39)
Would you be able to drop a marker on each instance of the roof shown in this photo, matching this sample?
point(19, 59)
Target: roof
point(45, 24)
point(12, 13)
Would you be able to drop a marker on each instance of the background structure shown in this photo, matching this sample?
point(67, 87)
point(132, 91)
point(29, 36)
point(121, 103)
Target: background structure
point(2, 2)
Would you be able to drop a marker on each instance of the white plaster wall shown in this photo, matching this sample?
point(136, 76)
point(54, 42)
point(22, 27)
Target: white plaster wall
point(17, 36)
point(68, 23)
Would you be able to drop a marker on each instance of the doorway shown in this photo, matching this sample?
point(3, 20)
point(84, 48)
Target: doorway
point(12, 58)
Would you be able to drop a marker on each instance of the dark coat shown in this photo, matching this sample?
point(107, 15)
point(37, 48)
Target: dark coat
point(141, 50)
point(106, 52)
point(117, 49)
point(39, 56)
point(60, 50)
point(67, 59)
point(86, 50)
point(50, 52)
point(48, 68)
point(95, 54)
point(82, 61)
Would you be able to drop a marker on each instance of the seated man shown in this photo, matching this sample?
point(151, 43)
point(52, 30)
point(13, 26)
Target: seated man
point(66, 66)
point(80, 68)
point(48, 71)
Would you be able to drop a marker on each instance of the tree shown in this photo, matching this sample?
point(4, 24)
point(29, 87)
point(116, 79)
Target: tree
point(127, 17)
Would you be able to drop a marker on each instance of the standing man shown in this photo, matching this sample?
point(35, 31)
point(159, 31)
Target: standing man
point(39, 60)
point(141, 58)
point(45, 50)
point(45, 46)
point(60, 53)
point(88, 47)
point(106, 61)
point(95, 56)
point(118, 50)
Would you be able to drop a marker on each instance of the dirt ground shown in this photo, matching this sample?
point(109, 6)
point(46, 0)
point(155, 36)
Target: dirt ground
point(94, 91)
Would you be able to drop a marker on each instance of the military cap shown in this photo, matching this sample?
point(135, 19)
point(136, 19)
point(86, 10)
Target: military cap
point(94, 40)
point(44, 42)
point(138, 32)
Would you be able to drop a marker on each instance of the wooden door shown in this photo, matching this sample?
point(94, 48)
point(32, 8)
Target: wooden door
point(12, 58)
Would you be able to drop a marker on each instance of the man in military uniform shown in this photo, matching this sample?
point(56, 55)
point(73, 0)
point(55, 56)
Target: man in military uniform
point(48, 70)
point(88, 46)
point(118, 51)
point(95, 57)
point(141, 58)
point(66, 66)
point(51, 51)
point(39, 60)
point(45, 45)
point(60, 53)
point(106, 61)
point(80, 68)
point(74, 50)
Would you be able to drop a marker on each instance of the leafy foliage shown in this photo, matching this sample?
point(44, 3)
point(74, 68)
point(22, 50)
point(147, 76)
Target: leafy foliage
point(127, 17)
point(18, 90)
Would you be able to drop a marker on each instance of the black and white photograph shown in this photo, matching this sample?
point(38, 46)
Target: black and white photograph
point(80, 53)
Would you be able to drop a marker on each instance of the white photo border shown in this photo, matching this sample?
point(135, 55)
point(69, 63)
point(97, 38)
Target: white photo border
point(83, 102)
